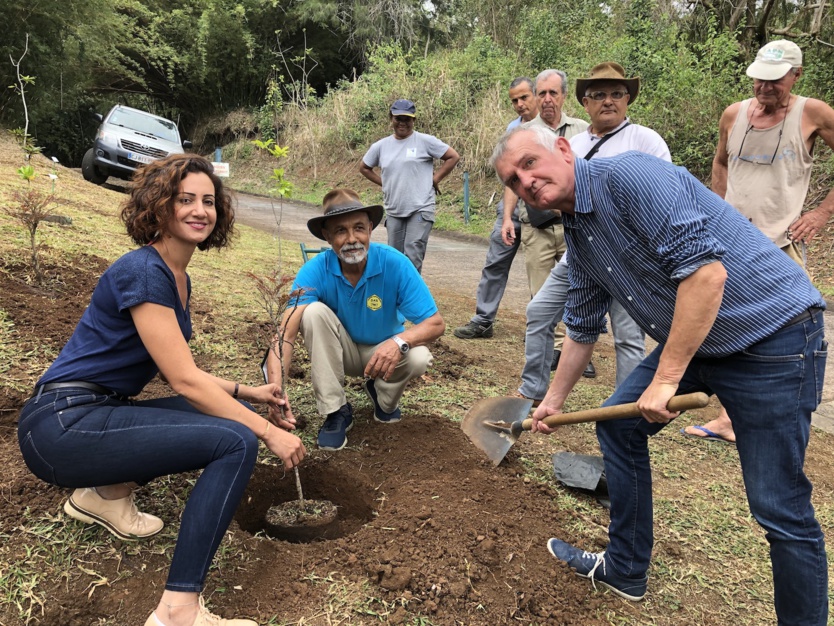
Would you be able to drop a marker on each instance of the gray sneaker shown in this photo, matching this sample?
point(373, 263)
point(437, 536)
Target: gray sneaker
point(474, 331)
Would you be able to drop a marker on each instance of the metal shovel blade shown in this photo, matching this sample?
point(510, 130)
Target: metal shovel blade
point(494, 424)
point(488, 424)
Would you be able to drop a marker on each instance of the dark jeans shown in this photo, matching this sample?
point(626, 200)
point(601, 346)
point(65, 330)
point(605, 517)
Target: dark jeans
point(769, 390)
point(79, 438)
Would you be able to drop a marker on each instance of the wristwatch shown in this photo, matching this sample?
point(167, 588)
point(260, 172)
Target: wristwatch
point(404, 347)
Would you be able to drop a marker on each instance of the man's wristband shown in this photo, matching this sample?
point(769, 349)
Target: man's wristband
point(235, 392)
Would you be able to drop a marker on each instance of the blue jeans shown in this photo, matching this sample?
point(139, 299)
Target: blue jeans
point(769, 390)
point(79, 438)
point(543, 314)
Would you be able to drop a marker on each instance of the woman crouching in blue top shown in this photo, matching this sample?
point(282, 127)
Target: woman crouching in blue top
point(80, 428)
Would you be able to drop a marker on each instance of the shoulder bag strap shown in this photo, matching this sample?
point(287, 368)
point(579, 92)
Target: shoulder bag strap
point(598, 145)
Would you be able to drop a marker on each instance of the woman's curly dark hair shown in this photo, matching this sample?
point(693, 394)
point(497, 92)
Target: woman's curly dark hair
point(153, 191)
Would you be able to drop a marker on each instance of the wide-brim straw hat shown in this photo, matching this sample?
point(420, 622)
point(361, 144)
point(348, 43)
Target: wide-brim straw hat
point(316, 224)
point(608, 71)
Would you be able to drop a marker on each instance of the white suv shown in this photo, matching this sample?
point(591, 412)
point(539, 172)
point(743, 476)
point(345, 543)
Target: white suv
point(126, 139)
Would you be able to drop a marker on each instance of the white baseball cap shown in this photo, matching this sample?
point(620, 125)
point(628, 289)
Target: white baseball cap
point(775, 59)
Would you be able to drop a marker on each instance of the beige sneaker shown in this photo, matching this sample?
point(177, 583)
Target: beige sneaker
point(204, 618)
point(120, 517)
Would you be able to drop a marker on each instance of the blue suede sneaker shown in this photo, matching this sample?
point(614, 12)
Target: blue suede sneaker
point(592, 565)
point(379, 415)
point(333, 433)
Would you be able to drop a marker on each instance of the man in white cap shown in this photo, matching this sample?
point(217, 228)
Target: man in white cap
point(763, 162)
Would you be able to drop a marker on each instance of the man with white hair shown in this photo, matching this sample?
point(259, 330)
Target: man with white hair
point(732, 316)
point(605, 95)
point(542, 237)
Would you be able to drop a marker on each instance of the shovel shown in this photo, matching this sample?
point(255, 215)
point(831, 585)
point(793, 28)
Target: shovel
point(487, 427)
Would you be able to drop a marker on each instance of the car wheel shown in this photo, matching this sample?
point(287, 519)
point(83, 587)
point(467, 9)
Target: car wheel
point(89, 171)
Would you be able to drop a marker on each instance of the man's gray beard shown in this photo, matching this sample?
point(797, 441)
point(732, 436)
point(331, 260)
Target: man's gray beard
point(355, 258)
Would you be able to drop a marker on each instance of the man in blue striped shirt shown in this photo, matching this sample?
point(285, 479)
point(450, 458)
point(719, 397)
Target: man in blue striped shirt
point(733, 316)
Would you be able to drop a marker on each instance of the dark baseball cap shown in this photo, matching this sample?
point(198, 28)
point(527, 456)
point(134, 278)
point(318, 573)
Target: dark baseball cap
point(404, 107)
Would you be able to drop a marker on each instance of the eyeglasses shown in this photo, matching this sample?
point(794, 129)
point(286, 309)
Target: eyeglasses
point(403, 118)
point(599, 96)
point(756, 159)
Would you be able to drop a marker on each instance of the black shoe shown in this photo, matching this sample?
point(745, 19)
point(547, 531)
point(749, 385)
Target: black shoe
point(555, 362)
point(590, 371)
point(474, 331)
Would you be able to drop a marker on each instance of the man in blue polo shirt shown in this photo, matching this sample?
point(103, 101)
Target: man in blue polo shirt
point(350, 310)
point(732, 315)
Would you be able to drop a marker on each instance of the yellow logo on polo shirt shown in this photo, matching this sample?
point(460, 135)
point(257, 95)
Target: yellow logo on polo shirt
point(374, 303)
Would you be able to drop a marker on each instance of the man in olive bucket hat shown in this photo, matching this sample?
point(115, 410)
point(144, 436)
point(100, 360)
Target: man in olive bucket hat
point(349, 303)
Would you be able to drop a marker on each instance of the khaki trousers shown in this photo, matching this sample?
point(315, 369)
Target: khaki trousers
point(796, 251)
point(543, 247)
point(333, 354)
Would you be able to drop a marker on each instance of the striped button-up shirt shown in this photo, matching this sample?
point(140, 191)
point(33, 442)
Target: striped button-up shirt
point(642, 225)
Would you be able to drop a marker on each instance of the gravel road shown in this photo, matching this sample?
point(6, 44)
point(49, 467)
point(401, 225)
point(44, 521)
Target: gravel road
point(451, 264)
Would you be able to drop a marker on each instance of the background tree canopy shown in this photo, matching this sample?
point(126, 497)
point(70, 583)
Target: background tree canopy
point(323, 71)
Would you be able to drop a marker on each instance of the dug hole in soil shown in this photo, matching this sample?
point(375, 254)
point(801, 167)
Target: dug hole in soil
point(422, 517)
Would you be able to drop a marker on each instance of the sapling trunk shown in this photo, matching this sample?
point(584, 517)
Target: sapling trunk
point(298, 486)
point(297, 475)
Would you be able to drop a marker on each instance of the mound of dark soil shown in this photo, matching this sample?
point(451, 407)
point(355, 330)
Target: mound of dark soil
point(424, 519)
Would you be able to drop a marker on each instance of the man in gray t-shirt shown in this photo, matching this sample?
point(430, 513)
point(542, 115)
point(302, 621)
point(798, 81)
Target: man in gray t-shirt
point(408, 180)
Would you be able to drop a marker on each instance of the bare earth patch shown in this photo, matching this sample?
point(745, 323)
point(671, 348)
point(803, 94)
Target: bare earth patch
point(425, 525)
point(427, 530)
point(424, 519)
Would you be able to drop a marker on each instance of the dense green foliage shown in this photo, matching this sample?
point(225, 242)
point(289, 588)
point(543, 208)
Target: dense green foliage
point(684, 86)
point(184, 60)
point(319, 74)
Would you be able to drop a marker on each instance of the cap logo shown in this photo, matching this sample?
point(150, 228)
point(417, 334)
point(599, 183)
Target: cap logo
point(772, 54)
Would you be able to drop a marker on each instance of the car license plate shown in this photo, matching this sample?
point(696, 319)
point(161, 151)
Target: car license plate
point(139, 158)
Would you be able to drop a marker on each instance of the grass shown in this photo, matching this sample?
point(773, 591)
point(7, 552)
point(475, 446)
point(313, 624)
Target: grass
point(708, 546)
point(49, 547)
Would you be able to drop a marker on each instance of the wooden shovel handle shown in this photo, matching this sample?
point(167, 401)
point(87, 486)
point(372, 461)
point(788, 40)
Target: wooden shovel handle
point(685, 402)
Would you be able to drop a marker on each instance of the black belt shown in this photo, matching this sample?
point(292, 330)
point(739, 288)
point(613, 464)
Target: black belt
point(556, 219)
point(805, 316)
point(78, 384)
